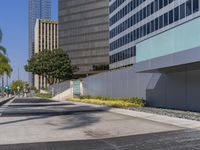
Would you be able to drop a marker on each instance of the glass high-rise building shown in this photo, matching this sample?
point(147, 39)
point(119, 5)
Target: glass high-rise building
point(38, 9)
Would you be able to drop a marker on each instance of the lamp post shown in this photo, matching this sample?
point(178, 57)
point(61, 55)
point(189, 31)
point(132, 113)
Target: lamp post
point(18, 88)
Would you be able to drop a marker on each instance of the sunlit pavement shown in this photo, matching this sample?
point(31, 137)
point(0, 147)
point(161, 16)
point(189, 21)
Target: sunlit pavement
point(52, 125)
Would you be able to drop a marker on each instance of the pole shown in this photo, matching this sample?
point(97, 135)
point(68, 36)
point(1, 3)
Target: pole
point(18, 73)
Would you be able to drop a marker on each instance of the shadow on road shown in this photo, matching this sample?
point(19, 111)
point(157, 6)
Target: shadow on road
point(74, 116)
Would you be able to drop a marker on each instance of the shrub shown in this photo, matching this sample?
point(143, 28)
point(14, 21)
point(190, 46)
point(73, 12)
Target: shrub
point(45, 96)
point(117, 102)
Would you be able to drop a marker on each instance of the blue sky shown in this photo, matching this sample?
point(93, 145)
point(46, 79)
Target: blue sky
point(14, 25)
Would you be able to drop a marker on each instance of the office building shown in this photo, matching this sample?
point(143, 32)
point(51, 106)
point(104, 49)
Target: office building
point(145, 29)
point(84, 34)
point(46, 37)
point(38, 9)
point(160, 41)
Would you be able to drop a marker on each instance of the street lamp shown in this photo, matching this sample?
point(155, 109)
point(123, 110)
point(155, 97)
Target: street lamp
point(18, 88)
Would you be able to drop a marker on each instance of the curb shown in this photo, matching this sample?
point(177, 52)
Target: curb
point(5, 101)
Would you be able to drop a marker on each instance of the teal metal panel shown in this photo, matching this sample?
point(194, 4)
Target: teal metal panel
point(76, 87)
point(180, 38)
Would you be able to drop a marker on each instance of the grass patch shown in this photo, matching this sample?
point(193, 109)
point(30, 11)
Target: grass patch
point(114, 102)
point(45, 96)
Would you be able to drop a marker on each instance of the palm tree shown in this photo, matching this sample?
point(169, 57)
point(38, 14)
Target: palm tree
point(2, 49)
point(5, 67)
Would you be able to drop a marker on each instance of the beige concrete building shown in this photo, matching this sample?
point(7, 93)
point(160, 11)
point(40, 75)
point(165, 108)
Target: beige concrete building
point(46, 37)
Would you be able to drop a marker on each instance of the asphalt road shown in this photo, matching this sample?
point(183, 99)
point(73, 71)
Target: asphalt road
point(39, 124)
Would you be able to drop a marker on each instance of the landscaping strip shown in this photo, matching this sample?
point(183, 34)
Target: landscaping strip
point(113, 102)
point(140, 107)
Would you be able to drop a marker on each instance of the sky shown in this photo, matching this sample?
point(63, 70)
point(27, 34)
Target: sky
point(14, 25)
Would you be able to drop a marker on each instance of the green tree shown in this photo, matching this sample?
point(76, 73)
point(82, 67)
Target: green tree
point(16, 84)
point(2, 49)
point(54, 65)
point(5, 67)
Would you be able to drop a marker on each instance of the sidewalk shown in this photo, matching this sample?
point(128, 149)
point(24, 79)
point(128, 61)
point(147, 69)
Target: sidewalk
point(180, 122)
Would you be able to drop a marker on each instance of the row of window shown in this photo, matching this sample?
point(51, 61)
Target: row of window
point(128, 53)
point(139, 16)
point(180, 12)
point(124, 11)
point(115, 5)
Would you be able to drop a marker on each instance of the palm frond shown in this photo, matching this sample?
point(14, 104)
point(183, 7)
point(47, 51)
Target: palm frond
point(2, 50)
point(1, 34)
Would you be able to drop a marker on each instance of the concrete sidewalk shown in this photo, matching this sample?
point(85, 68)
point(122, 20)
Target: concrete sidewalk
point(180, 122)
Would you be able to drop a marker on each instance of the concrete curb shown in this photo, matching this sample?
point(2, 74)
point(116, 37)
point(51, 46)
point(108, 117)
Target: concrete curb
point(5, 100)
point(180, 122)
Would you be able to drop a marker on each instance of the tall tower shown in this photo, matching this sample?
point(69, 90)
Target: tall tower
point(84, 34)
point(38, 9)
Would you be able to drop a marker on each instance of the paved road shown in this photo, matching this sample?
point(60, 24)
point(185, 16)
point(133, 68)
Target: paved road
point(39, 124)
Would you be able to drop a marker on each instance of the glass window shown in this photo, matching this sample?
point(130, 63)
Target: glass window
point(160, 21)
point(171, 20)
point(160, 4)
point(182, 11)
point(176, 14)
point(148, 10)
point(144, 30)
point(188, 7)
point(144, 12)
point(148, 28)
point(152, 7)
point(156, 5)
point(166, 19)
point(195, 5)
point(152, 26)
point(156, 24)
point(165, 2)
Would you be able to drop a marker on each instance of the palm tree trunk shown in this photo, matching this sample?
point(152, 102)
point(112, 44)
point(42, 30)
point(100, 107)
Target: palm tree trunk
point(2, 91)
point(7, 80)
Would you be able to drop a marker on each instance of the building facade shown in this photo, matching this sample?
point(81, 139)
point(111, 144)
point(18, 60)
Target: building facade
point(145, 29)
point(84, 34)
point(38, 9)
point(160, 42)
point(46, 37)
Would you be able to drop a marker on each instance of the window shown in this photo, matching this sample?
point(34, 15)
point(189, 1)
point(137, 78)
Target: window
point(160, 21)
point(152, 26)
point(171, 17)
point(182, 11)
point(148, 28)
point(188, 8)
point(166, 19)
point(176, 14)
point(160, 4)
point(156, 24)
point(156, 5)
point(195, 5)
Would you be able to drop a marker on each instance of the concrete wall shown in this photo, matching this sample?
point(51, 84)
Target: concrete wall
point(120, 83)
point(177, 89)
point(60, 87)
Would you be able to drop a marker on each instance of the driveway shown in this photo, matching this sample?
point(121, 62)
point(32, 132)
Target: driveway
point(44, 124)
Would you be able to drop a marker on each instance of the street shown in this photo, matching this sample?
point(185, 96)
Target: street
point(40, 124)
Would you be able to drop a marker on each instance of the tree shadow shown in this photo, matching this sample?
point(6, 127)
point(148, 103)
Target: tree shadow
point(71, 117)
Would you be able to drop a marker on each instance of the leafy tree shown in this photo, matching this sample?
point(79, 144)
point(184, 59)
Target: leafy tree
point(18, 83)
point(54, 65)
